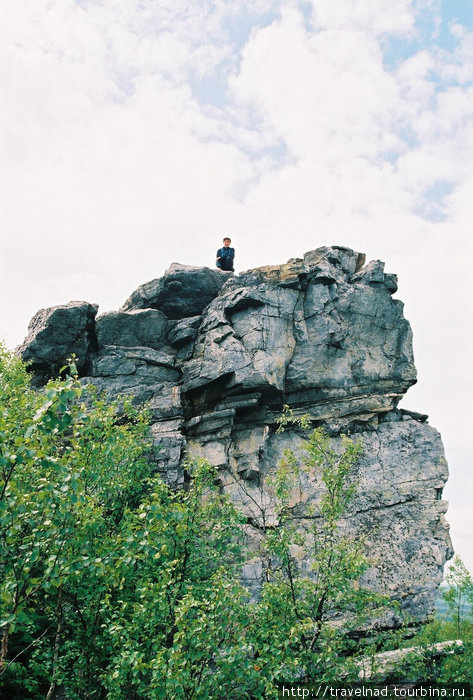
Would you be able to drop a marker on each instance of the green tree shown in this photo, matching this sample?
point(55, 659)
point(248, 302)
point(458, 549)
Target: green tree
point(69, 465)
point(178, 622)
point(455, 664)
point(458, 593)
point(309, 614)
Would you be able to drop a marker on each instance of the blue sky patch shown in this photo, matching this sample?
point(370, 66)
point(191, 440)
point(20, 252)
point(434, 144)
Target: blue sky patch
point(433, 204)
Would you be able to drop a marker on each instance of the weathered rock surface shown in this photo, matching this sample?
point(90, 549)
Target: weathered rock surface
point(216, 356)
point(183, 291)
point(55, 334)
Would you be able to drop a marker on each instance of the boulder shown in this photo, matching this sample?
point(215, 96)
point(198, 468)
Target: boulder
point(184, 291)
point(57, 333)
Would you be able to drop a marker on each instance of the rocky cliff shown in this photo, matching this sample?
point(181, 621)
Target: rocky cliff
point(216, 356)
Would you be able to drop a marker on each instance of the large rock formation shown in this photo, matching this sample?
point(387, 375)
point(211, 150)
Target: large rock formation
point(216, 356)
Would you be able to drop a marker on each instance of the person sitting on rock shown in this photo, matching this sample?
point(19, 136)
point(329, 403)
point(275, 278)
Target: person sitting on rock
point(226, 256)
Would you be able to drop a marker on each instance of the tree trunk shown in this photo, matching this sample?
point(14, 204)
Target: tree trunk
point(52, 688)
point(4, 646)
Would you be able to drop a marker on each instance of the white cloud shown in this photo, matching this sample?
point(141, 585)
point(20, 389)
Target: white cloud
point(371, 16)
point(325, 94)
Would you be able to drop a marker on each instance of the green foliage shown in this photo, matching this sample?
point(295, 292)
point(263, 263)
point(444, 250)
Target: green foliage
point(183, 548)
point(288, 417)
point(68, 469)
point(459, 594)
point(308, 614)
point(112, 585)
point(454, 667)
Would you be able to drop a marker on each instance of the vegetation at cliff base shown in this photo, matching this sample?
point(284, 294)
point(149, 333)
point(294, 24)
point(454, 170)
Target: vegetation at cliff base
point(456, 624)
point(113, 585)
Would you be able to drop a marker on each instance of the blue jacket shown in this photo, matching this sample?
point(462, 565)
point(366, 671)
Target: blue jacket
point(227, 256)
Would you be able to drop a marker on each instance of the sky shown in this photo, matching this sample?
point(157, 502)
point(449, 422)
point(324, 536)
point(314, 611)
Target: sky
point(137, 133)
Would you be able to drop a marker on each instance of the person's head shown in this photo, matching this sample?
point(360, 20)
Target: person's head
point(227, 241)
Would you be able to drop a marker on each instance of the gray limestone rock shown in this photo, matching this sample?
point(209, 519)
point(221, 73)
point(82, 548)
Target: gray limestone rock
point(141, 327)
point(215, 357)
point(183, 331)
point(55, 334)
point(183, 291)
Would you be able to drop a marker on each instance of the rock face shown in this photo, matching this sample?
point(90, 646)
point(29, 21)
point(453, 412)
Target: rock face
point(216, 356)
